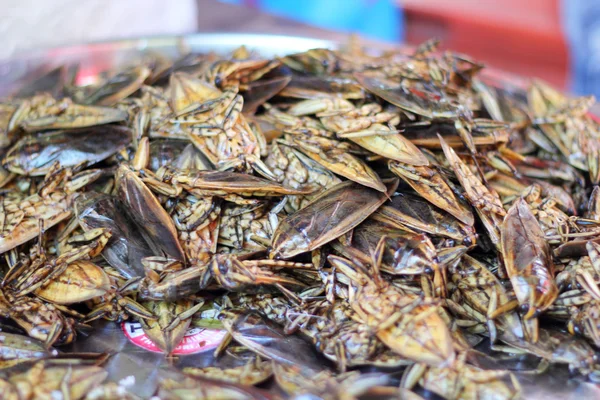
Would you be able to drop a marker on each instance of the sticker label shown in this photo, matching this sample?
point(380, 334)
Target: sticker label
point(195, 340)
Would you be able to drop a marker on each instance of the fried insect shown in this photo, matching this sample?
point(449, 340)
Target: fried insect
point(528, 261)
point(21, 213)
point(171, 322)
point(116, 304)
point(329, 216)
point(46, 379)
point(41, 321)
point(407, 324)
point(332, 210)
point(35, 155)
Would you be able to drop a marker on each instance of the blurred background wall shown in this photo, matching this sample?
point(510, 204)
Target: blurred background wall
point(556, 40)
point(32, 24)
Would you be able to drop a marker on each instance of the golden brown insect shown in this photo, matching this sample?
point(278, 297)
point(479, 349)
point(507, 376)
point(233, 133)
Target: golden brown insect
point(431, 186)
point(294, 169)
point(463, 381)
point(80, 281)
point(253, 372)
point(21, 214)
point(43, 112)
point(44, 379)
point(409, 212)
point(364, 127)
point(41, 321)
point(201, 388)
point(171, 286)
point(231, 273)
point(213, 120)
point(229, 185)
point(249, 227)
point(116, 304)
point(583, 272)
point(171, 322)
point(528, 261)
point(331, 155)
point(16, 349)
point(407, 324)
point(405, 253)
point(31, 273)
point(585, 320)
point(480, 289)
point(486, 202)
point(294, 379)
point(333, 328)
point(329, 216)
point(199, 223)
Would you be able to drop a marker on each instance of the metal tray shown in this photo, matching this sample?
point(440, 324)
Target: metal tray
point(101, 56)
point(94, 58)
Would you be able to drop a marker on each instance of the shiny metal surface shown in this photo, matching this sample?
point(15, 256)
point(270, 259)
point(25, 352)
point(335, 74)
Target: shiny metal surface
point(96, 57)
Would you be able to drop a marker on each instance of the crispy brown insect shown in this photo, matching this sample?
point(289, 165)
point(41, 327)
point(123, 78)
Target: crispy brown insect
point(528, 260)
point(413, 212)
point(148, 214)
point(172, 322)
point(329, 216)
point(219, 183)
point(431, 186)
point(35, 155)
point(80, 281)
point(409, 325)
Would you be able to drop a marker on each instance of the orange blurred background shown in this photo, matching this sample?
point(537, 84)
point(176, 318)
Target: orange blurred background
point(520, 36)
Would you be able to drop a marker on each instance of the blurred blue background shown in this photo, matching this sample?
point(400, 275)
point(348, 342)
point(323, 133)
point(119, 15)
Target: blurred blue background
point(581, 19)
point(376, 19)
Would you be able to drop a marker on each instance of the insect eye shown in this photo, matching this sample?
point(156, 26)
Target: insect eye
point(524, 308)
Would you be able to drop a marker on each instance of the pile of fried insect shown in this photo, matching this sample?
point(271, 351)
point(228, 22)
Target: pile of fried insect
point(396, 210)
